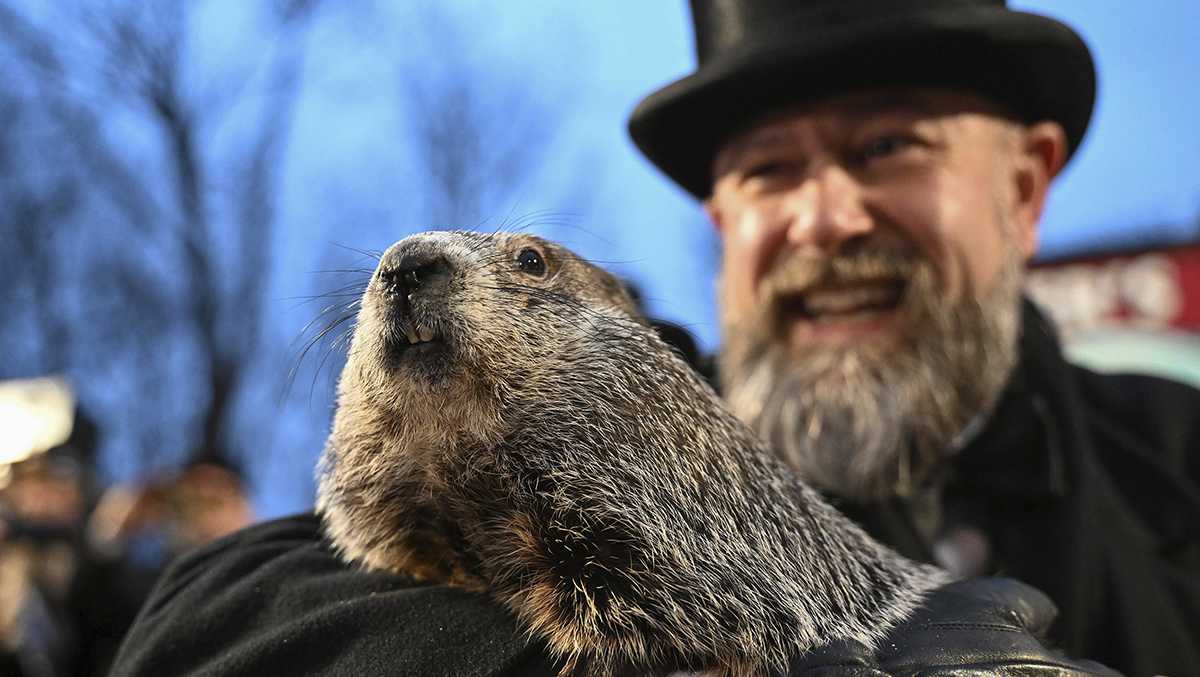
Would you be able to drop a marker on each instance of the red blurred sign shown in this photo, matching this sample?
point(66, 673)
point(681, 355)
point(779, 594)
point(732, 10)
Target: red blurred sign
point(1153, 289)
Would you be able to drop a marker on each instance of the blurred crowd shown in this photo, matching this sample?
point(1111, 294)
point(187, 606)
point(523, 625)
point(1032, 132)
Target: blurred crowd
point(78, 557)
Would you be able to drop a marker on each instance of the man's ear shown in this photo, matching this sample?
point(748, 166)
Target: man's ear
point(714, 216)
point(1041, 155)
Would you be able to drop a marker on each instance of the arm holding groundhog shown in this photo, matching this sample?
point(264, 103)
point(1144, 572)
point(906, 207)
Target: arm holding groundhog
point(275, 599)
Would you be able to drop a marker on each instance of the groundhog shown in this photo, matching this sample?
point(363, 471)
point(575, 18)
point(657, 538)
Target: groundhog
point(507, 422)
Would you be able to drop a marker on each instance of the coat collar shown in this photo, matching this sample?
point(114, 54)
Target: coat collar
point(1019, 450)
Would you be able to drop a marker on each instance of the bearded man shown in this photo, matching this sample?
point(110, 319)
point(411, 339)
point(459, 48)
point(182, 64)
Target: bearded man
point(876, 170)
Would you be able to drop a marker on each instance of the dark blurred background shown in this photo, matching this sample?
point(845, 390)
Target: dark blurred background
point(188, 191)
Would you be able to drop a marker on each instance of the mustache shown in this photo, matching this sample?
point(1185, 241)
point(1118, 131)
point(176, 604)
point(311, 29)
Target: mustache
point(799, 273)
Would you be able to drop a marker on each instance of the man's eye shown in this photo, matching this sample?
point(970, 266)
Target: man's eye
point(769, 172)
point(764, 169)
point(885, 146)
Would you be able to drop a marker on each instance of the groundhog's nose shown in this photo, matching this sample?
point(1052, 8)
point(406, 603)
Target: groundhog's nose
point(413, 272)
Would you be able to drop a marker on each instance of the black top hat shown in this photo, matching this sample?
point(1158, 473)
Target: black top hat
point(756, 55)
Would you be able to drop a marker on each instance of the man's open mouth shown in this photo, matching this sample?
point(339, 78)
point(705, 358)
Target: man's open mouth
point(844, 301)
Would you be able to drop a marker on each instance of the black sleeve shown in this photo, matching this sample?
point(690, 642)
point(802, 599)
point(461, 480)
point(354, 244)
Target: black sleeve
point(273, 599)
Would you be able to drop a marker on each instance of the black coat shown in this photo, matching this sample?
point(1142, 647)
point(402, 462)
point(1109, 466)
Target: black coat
point(1088, 487)
point(1085, 484)
point(1099, 505)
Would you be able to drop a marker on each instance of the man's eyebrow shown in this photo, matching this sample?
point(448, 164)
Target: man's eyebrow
point(757, 139)
point(915, 103)
point(741, 146)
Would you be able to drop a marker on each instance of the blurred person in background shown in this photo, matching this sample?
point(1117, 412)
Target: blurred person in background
point(157, 519)
point(42, 503)
point(63, 607)
point(75, 562)
point(877, 171)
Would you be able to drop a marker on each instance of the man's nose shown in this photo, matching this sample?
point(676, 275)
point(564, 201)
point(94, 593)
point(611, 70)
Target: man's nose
point(826, 211)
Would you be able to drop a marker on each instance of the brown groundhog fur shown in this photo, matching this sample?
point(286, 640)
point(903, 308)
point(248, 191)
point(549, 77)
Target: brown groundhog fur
point(547, 448)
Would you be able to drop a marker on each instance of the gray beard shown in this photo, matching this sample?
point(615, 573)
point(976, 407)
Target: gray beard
point(868, 422)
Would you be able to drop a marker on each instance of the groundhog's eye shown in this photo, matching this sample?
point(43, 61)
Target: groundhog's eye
point(531, 262)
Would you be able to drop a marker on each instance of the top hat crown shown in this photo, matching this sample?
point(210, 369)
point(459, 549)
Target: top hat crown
point(758, 55)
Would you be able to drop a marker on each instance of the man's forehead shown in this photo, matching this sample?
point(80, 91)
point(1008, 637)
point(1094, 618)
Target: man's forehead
point(857, 108)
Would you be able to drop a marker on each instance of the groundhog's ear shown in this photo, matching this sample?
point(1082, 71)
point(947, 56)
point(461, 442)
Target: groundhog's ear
point(631, 298)
point(680, 340)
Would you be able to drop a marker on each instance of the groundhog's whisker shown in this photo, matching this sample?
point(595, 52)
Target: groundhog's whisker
point(372, 254)
point(348, 317)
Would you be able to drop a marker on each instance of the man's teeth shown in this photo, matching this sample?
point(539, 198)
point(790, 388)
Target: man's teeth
point(840, 301)
point(418, 333)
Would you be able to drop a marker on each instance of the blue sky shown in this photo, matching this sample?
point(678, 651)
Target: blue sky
point(1139, 166)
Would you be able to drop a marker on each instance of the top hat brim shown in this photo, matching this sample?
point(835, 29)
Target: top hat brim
point(1036, 67)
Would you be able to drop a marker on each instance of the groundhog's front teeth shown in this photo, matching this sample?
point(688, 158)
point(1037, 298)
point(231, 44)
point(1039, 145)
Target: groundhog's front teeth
point(418, 333)
point(411, 333)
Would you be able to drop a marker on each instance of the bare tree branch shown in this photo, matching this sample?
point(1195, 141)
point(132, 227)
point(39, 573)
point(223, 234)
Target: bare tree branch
point(171, 282)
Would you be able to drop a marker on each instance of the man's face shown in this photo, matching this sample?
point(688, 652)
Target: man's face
point(873, 248)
